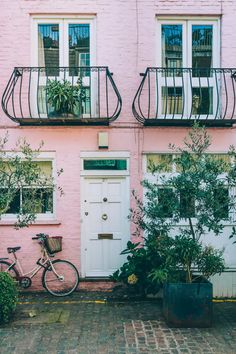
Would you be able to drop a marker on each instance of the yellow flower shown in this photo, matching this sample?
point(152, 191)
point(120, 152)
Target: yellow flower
point(132, 279)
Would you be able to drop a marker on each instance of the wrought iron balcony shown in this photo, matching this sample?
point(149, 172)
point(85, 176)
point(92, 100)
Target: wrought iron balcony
point(180, 96)
point(62, 96)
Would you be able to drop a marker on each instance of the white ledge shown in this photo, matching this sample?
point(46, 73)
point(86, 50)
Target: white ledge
point(37, 222)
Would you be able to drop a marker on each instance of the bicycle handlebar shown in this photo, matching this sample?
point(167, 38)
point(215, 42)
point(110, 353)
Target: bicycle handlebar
point(38, 236)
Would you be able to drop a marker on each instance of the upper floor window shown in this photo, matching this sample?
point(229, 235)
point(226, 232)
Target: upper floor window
point(64, 49)
point(187, 51)
point(63, 42)
point(189, 43)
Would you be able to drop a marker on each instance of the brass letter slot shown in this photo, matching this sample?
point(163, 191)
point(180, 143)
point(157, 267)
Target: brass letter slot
point(105, 236)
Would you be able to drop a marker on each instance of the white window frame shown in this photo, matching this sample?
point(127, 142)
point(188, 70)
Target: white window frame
point(187, 23)
point(44, 156)
point(153, 178)
point(63, 21)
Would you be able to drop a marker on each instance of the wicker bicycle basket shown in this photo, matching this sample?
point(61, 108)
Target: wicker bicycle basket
point(54, 244)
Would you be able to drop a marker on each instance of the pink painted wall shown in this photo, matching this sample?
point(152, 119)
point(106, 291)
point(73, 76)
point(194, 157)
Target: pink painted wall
point(126, 42)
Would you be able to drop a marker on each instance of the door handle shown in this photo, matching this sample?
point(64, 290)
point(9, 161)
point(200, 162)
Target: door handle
point(104, 217)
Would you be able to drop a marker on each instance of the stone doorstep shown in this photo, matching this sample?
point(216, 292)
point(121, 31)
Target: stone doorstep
point(94, 284)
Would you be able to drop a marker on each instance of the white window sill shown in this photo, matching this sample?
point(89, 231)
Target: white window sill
point(37, 222)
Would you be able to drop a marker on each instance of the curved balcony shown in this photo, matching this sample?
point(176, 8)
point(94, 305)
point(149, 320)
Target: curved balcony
point(62, 96)
point(180, 96)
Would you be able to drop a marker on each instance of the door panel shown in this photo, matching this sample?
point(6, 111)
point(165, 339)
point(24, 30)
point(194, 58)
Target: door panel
point(106, 227)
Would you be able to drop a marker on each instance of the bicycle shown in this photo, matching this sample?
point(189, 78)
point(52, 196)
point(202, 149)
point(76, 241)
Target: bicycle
point(59, 278)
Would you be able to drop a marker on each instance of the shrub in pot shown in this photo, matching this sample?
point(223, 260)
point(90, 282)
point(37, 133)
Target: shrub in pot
point(187, 266)
point(8, 297)
point(65, 99)
point(187, 198)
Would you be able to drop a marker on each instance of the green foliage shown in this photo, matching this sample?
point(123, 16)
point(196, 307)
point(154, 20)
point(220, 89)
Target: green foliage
point(20, 173)
point(186, 259)
point(64, 97)
point(140, 261)
point(8, 297)
point(197, 197)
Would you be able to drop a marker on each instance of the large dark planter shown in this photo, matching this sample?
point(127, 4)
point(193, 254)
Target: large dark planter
point(188, 305)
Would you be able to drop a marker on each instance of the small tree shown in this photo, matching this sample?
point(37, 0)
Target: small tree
point(196, 193)
point(19, 172)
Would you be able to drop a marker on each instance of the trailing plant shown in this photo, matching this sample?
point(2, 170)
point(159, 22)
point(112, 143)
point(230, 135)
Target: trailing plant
point(195, 194)
point(8, 297)
point(64, 97)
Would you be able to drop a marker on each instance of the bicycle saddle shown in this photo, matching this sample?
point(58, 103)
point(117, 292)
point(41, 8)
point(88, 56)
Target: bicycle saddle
point(13, 249)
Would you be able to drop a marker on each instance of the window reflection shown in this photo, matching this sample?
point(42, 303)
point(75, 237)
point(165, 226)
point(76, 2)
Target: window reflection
point(48, 48)
point(79, 48)
point(202, 50)
point(172, 51)
point(172, 100)
point(202, 100)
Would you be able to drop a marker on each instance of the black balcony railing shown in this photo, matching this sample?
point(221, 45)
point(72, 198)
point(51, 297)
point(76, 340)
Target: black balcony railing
point(180, 96)
point(62, 96)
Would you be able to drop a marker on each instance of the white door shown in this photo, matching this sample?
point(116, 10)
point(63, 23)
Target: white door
point(105, 224)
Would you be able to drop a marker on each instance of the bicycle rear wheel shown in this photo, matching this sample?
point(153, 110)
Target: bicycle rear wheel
point(60, 279)
point(7, 267)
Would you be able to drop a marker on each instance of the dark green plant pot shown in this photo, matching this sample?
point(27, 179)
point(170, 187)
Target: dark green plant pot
point(188, 305)
point(60, 114)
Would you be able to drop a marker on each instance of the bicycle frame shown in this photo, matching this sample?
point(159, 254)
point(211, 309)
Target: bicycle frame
point(41, 263)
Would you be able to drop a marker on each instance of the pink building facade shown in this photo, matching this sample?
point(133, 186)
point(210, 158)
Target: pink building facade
point(102, 150)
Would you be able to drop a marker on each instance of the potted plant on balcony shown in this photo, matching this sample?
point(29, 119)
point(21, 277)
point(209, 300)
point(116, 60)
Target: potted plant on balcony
point(65, 99)
point(182, 207)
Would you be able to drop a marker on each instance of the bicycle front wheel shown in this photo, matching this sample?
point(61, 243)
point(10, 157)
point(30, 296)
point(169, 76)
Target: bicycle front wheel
point(7, 267)
point(61, 278)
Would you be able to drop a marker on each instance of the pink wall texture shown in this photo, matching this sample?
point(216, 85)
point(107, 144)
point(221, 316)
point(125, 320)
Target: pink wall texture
point(126, 42)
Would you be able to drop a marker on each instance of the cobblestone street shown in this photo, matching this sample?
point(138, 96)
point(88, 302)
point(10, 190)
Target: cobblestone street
point(93, 323)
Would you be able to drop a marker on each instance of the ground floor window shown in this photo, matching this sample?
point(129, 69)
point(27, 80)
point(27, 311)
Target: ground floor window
point(185, 200)
point(38, 199)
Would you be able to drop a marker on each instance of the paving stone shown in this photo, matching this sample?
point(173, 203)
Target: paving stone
point(78, 325)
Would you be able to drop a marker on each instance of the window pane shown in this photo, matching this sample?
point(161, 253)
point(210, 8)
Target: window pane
point(221, 199)
point(164, 161)
point(202, 49)
point(172, 50)
point(79, 48)
point(14, 206)
point(38, 200)
point(48, 48)
point(165, 202)
point(105, 164)
point(172, 100)
point(202, 100)
point(187, 205)
point(45, 168)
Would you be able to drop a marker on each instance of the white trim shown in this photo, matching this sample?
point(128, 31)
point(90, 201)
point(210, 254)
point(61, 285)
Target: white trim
point(188, 17)
point(154, 178)
point(99, 174)
point(63, 21)
point(104, 156)
point(187, 22)
point(82, 210)
point(41, 156)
